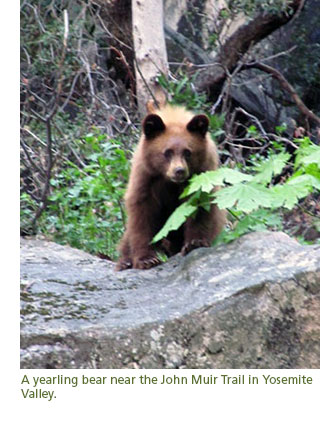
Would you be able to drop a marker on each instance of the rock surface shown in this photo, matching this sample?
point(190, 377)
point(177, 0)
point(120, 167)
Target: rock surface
point(252, 304)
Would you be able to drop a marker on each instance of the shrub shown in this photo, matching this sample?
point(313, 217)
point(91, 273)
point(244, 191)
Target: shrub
point(85, 208)
point(251, 196)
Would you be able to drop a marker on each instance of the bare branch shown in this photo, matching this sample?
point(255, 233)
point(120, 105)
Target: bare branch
point(255, 119)
point(287, 87)
point(60, 66)
point(46, 187)
point(31, 162)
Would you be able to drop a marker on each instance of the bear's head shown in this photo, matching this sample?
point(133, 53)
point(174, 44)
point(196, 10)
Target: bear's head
point(175, 146)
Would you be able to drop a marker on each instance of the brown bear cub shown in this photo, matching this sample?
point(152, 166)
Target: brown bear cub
point(174, 145)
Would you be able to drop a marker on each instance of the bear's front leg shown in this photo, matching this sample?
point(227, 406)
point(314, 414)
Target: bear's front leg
point(197, 232)
point(144, 257)
point(203, 229)
point(141, 230)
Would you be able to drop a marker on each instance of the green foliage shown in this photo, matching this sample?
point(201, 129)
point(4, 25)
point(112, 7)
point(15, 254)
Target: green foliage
point(260, 220)
point(28, 208)
point(41, 35)
point(182, 90)
point(249, 7)
point(271, 167)
point(177, 218)
point(85, 208)
point(252, 197)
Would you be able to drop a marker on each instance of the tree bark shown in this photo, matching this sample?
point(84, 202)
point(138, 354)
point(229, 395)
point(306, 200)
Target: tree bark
point(149, 46)
point(232, 51)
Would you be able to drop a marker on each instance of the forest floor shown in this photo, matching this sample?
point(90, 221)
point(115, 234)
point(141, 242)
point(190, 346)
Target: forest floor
point(300, 221)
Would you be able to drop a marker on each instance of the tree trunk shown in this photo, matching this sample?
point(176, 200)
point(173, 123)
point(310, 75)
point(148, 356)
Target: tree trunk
point(150, 49)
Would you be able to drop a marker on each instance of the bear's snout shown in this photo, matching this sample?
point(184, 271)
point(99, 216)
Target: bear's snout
point(180, 174)
point(178, 170)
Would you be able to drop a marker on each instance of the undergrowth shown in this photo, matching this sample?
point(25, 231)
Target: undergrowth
point(85, 208)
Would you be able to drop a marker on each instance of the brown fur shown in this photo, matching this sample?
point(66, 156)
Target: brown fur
point(174, 145)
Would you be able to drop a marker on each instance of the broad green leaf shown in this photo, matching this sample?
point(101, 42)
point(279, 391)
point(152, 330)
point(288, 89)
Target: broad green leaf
point(286, 196)
point(273, 166)
point(313, 158)
point(176, 219)
point(232, 176)
point(308, 153)
point(208, 180)
point(203, 182)
point(247, 197)
point(305, 181)
point(289, 194)
point(311, 170)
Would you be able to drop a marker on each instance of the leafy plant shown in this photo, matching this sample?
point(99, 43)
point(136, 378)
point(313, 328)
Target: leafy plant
point(85, 208)
point(253, 200)
point(182, 90)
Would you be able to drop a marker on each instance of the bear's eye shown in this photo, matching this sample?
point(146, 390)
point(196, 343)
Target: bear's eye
point(168, 153)
point(187, 153)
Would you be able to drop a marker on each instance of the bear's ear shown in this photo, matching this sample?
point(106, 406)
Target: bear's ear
point(199, 124)
point(152, 126)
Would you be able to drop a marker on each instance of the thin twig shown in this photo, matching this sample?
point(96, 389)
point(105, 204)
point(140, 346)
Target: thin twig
point(60, 66)
point(32, 163)
point(146, 84)
point(277, 55)
point(308, 212)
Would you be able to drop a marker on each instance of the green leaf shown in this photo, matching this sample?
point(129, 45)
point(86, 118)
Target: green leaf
point(176, 219)
point(252, 130)
point(210, 179)
point(288, 194)
point(181, 84)
point(273, 166)
point(216, 122)
point(232, 176)
point(305, 181)
point(308, 153)
point(75, 191)
point(280, 129)
point(313, 158)
point(247, 197)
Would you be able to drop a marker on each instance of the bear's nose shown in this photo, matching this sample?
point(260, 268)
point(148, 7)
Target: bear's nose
point(180, 173)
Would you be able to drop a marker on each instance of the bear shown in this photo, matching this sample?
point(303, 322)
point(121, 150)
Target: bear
point(174, 145)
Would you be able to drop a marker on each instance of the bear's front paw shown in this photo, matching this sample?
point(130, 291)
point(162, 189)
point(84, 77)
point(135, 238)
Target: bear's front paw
point(123, 264)
point(146, 262)
point(193, 244)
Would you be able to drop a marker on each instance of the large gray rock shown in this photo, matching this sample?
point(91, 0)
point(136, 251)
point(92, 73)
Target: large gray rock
point(252, 304)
